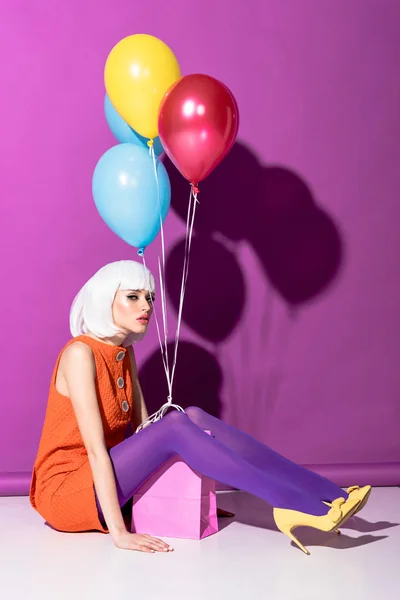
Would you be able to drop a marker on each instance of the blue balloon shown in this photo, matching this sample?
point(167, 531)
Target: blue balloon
point(125, 192)
point(123, 132)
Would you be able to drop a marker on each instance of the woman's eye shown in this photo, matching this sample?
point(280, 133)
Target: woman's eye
point(150, 299)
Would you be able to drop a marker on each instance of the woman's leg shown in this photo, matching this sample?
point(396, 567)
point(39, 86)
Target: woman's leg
point(265, 458)
point(138, 457)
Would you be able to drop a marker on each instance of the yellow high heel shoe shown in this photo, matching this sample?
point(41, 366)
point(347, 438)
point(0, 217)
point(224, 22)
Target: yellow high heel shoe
point(356, 493)
point(362, 494)
point(286, 520)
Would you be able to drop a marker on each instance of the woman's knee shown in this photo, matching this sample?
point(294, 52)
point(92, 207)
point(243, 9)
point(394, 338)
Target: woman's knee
point(195, 413)
point(175, 417)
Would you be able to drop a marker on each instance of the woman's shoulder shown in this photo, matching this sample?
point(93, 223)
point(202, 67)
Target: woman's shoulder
point(75, 351)
point(75, 359)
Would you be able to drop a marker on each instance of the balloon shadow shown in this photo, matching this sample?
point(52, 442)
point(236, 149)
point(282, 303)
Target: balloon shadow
point(271, 207)
point(198, 379)
point(206, 292)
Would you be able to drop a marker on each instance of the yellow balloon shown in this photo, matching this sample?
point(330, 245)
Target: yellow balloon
point(138, 72)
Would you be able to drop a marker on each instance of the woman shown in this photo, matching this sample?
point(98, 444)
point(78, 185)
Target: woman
point(85, 471)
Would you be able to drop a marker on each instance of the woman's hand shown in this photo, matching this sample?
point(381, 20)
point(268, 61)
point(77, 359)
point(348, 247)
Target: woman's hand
point(140, 542)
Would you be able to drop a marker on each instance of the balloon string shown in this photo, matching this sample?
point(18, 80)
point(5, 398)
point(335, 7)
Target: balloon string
point(161, 270)
point(188, 243)
point(195, 189)
point(162, 237)
point(158, 329)
point(193, 201)
point(156, 416)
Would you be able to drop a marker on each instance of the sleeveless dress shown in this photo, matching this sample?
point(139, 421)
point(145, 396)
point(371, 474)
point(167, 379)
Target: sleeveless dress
point(62, 487)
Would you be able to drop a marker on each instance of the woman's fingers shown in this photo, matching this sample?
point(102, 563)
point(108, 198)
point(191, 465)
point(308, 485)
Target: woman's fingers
point(159, 543)
point(150, 547)
point(145, 548)
point(141, 542)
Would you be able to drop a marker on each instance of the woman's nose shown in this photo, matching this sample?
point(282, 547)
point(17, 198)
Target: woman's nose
point(145, 306)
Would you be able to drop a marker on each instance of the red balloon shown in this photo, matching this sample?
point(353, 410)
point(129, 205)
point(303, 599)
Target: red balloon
point(197, 124)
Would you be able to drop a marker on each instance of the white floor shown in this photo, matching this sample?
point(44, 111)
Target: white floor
point(247, 559)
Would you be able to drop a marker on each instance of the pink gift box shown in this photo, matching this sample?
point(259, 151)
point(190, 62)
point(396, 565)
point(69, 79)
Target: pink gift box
point(176, 502)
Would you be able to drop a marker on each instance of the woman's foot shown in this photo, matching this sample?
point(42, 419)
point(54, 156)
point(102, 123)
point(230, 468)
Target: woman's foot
point(340, 510)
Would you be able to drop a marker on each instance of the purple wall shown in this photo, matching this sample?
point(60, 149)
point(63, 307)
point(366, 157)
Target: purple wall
point(295, 336)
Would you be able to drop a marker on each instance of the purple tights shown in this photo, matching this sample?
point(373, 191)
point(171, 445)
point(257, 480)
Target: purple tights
point(230, 457)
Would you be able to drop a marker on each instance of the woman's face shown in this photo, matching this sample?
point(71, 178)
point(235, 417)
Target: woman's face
point(132, 310)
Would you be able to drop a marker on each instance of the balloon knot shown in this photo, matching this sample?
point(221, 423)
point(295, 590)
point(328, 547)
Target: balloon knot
point(195, 189)
point(150, 143)
point(140, 252)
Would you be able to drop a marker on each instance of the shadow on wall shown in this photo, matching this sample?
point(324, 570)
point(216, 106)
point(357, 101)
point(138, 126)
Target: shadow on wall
point(198, 379)
point(272, 208)
point(217, 282)
point(297, 244)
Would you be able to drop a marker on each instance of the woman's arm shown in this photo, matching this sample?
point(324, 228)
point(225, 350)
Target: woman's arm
point(77, 367)
point(139, 412)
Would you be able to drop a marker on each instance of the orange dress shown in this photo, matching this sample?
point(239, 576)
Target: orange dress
point(62, 487)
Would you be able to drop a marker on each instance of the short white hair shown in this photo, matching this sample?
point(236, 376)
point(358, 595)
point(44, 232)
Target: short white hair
point(91, 310)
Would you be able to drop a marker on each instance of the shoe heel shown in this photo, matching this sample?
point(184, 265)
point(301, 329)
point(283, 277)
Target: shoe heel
point(287, 528)
point(290, 534)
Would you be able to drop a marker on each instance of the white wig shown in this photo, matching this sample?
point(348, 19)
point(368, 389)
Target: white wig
point(91, 310)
